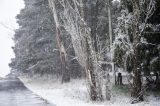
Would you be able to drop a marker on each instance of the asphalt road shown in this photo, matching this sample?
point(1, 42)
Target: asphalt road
point(14, 93)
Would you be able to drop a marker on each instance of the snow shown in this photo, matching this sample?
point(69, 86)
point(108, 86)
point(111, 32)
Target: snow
point(158, 46)
point(75, 93)
point(155, 59)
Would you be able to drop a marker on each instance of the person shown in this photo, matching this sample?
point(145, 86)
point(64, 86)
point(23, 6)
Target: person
point(119, 79)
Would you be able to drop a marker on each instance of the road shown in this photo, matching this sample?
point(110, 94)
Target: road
point(14, 93)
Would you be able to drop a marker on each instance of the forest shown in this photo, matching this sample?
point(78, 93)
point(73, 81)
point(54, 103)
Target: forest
point(112, 44)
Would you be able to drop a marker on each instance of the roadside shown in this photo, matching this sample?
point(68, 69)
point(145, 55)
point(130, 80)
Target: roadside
point(75, 93)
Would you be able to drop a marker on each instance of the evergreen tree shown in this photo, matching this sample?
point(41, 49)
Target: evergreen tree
point(131, 44)
point(35, 42)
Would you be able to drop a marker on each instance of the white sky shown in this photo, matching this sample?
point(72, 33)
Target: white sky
point(8, 10)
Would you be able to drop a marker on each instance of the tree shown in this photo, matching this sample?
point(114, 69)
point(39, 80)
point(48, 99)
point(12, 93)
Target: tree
point(63, 53)
point(87, 25)
point(71, 18)
point(132, 24)
point(34, 43)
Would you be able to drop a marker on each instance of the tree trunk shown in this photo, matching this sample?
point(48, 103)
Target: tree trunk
point(63, 54)
point(95, 93)
point(94, 90)
point(63, 57)
point(111, 38)
point(94, 22)
point(137, 83)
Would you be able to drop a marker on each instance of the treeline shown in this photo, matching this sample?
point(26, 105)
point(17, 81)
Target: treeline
point(90, 38)
point(35, 43)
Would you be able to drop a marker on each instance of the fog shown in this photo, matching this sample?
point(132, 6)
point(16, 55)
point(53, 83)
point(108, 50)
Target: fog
point(8, 10)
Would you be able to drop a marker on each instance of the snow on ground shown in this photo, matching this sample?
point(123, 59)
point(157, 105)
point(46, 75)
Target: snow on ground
point(75, 93)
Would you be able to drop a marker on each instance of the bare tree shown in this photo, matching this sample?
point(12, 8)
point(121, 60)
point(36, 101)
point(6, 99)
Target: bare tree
point(71, 16)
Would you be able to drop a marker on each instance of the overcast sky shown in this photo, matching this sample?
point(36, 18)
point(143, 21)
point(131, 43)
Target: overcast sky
point(8, 10)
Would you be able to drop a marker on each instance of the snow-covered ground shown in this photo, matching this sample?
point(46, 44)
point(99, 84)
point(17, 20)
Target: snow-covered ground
point(75, 93)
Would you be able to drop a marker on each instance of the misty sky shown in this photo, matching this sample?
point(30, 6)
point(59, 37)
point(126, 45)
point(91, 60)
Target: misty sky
point(8, 10)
